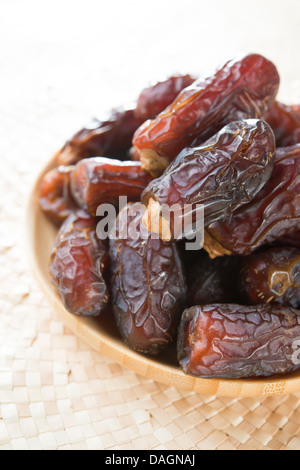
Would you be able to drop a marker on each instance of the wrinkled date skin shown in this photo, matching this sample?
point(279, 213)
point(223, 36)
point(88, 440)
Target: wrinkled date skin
point(148, 286)
point(273, 216)
point(272, 276)
point(292, 239)
point(213, 281)
point(110, 137)
point(99, 180)
point(232, 341)
point(285, 122)
point(55, 197)
point(78, 263)
point(222, 175)
point(243, 88)
point(155, 98)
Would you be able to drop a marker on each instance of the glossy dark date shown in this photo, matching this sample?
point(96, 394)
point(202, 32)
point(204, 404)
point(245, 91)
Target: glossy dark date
point(155, 98)
point(271, 218)
point(243, 88)
point(272, 276)
point(110, 137)
point(78, 263)
point(55, 198)
point(232, 341)
point(285, 122)
point(222, 175)
point(99, 180)
point(148, 286)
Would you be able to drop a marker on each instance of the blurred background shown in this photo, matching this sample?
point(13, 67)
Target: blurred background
point(61, 63)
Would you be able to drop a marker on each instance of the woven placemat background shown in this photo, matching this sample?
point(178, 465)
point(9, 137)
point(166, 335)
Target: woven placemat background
point(62, 62)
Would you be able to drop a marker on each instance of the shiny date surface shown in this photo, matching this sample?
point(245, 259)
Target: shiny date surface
point(148, 286)
point(222, 175)
point(98, 180)
point(232, 341)
point(110, 136)
point(272, 276)
point(273, 217)
point(78, 262)
point(243, 88)
point(55, 197)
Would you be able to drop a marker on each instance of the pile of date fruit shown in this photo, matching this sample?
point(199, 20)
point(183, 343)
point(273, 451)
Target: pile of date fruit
point(222, 141)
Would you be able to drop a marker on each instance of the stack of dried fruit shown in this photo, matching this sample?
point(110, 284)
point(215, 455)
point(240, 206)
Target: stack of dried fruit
point(224, 142)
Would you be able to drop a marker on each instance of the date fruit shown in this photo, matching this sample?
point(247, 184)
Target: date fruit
point(292, 239)
point(272, 276)
point(79, 260)
point(155, 98)
point(243, 88)
point(285, 122)
point(100, 180)
point(108, 137)
point(222, 175)
point(271, 218)
point(213, 281)
point(232, 341)
point(55, 197)
point(148, 286)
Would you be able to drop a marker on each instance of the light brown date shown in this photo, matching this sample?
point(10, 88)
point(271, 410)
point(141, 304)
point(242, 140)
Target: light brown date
point(55, 197)
point(98, 180)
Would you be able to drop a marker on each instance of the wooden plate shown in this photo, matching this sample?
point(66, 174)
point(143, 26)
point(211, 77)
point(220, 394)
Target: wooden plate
point(102, 335)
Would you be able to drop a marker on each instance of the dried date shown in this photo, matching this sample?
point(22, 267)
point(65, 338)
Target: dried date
point(295, 107)
point(285, 122)
point(272, 217)
point(233, 341)
point(110, 137)
point(99, 180)
point(55, 197)
point(148, 286)
point(155, 98)
point(243, 88)
point(292, 239)
point(222, 175)
point(78, 263)
point(272, 276)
